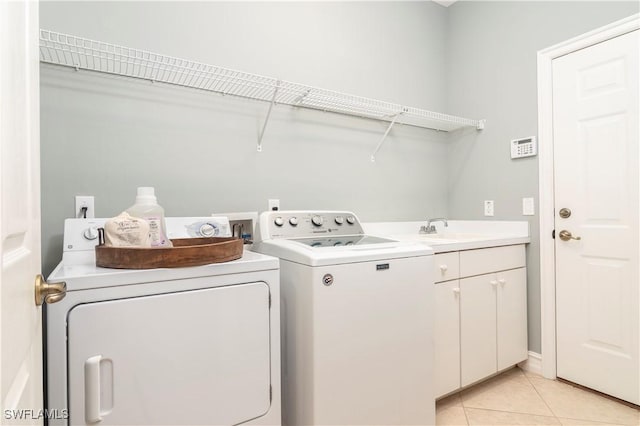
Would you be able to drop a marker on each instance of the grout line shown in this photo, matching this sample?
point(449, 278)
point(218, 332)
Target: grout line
point(521, 414)
point(588, 390)
point(597, 422)
point(541, 397)
point(598, 393)
point(464, 409)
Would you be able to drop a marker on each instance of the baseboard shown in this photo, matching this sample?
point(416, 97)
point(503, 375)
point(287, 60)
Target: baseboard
point(533, 364)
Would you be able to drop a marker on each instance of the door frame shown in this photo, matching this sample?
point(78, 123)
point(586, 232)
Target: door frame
point(546, 175)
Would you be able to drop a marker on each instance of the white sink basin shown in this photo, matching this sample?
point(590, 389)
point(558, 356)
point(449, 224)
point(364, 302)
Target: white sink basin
point(457, 236)
point(444, 238)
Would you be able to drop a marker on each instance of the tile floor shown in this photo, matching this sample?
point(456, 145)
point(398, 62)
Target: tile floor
point(519, 398)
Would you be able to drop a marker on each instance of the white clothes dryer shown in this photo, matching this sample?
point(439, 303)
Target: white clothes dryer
point(197, 345)
point(356, 318)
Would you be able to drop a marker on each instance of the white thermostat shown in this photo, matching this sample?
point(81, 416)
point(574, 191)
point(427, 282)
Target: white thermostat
point(525, 147)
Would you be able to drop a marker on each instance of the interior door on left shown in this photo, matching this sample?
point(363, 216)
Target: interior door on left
point(20, 321)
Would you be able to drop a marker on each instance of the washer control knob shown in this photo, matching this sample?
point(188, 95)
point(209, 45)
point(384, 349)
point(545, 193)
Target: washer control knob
point(293, 221)
point(317, 220)
point(279, 221)
point(91, 233)
point(339, 220)
point(351, 220)
point(207, 230)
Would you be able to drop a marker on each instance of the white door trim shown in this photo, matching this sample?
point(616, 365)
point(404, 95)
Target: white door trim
point(546, 183)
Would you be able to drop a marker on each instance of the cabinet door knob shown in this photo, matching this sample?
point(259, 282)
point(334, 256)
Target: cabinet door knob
point(443, 268)
point(502, 281)
point(493, 283)
point(456, 290)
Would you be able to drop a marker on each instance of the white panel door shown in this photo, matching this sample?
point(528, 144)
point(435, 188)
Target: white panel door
point(195, 357)
point(595, 115)
point(512, 317)
point(20, 333)
point(478, 338)
point(446, 337)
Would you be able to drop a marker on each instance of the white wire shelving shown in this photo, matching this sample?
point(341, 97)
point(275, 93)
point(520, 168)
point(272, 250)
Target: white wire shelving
point(85, 54)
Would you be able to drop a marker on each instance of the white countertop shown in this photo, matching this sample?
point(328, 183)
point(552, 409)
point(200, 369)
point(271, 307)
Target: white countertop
point(459, 235)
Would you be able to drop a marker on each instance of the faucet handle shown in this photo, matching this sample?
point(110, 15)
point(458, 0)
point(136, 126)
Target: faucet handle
point(430, 229)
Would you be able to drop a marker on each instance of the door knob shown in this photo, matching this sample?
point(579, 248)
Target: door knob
point(566, 236)
point(50, 293)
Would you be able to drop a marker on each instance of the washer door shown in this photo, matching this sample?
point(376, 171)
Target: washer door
point(194, 357)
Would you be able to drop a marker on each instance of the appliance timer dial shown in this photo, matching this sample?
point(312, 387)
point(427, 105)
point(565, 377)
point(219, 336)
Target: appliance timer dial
point(351, 220)
point(278, 221)
point(207, 230)
point(91, 233)
point(293, 221)
point(339, 220)
point(317, 220)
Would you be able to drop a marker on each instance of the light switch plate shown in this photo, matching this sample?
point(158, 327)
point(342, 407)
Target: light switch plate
point(528, 207)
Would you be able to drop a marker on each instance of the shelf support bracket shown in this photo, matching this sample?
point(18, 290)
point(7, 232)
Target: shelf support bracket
point(375, 151)
point(266, 120)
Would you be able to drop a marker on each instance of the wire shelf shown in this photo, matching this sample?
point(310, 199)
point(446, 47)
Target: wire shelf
point(81, 53)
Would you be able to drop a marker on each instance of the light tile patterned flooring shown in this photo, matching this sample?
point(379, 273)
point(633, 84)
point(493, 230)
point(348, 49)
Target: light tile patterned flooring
point(519, 398)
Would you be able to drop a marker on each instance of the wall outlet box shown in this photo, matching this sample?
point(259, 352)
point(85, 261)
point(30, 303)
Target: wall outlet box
point(85, 201)
point(274, 204)
point(528, 207)
point(488, 207)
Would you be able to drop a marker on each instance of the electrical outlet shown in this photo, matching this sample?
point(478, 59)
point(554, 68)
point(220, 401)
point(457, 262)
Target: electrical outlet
point(274, 204)
point(488, 207)
point(85, 201)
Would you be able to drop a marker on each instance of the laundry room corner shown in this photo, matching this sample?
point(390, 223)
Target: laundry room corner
point(199, 149)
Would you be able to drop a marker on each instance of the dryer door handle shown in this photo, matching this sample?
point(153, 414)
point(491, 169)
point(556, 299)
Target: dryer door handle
point(92, 389)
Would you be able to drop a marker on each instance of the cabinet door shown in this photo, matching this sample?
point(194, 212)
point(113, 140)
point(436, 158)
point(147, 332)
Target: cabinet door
point(512, 317)
point(446, 267)
point(478, 327)
point(447, 337)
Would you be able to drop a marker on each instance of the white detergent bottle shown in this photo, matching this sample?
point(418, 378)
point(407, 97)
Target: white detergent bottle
point(147, 208)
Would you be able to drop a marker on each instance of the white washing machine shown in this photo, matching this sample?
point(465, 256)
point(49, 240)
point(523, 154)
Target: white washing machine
point(198, 345)
point(357, 321)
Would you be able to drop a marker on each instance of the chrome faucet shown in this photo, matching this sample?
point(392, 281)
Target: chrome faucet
point(431, 229)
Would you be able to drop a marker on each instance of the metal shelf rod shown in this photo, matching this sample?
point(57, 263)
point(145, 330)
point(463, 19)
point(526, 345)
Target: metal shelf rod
point(85, 54)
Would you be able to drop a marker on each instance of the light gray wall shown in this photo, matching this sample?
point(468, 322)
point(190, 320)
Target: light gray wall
point(491, 69)
point(104, 136)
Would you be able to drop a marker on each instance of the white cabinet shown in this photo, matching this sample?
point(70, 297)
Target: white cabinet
point(512, 317)
point(446, 337)
point(478, 337)
point(493, 323)
point(480, 314)
point(446, 266)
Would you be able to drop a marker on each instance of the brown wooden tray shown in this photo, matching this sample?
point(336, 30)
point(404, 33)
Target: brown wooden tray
point(185, 252)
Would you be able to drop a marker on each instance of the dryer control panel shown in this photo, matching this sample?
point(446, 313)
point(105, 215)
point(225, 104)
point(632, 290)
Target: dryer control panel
point(304, 224)
point(82, 234)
